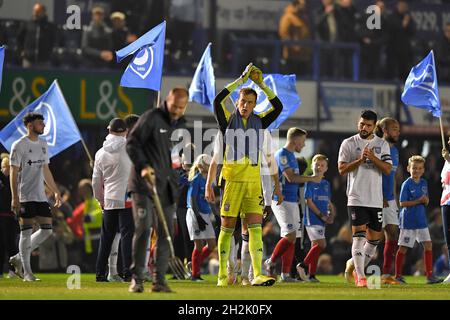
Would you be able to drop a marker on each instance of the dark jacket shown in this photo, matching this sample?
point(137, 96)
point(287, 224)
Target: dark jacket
point(442, 51)
point(149, 144)
point(96, 38)
point(5, 195)
point(399, 42)
point(37, 39)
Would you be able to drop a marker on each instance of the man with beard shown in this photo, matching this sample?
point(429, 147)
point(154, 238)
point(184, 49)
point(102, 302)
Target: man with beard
point(364, 157)
point(389, 130)
point(29, 170)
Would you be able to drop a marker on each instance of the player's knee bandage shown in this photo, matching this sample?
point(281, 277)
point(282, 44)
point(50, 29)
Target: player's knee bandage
point(360, 234)
point(46, 228)
point(26, 227)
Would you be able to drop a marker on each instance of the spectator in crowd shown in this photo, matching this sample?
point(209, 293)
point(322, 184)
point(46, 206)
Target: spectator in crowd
point(341, 248)
point(441, 266)
point(37, 39)
point(325, 264)
point(373, 42)
point(92, 223)
point(96, 42)
point(443, 55)
point(436, 234)
point(327, 24)
point(66, 208)
point(53, 254)
point(121, 36)
point(142, 15)
point(9, 227)
point(294, 25)
point(399, 46)
point(346, 33)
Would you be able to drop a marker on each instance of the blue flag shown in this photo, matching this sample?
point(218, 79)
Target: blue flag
point(203, 87)
point(60, 129)
point(2, 57)
point(421, 87)
point(145, 70)
point(284, 87)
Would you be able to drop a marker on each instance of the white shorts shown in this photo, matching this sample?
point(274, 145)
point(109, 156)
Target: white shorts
point(288, 217)
point(390, 214)
point(194, 231)
point(408, 237)
point(315, 232)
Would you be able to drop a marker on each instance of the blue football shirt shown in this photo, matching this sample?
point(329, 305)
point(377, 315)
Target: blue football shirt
point(413, 217)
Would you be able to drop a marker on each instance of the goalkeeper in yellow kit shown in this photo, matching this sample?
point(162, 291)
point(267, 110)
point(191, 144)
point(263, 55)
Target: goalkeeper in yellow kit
point(243, 133)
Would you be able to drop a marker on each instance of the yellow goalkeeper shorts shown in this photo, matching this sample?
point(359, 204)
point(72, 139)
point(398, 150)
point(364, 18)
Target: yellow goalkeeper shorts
point(243, 198)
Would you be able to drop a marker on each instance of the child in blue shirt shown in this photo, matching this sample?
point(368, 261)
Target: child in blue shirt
point(319, 211)
point(413, 219)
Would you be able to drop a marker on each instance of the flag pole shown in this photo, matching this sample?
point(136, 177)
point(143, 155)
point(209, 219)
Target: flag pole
point(158, 98)
point(91, 161)
point(442, 133)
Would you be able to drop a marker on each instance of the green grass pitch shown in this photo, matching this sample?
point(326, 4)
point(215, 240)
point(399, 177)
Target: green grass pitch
point(54, 287)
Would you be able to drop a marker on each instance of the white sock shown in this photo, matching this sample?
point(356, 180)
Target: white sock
point(232, 260)
point(40, 236)
point(370, 248)
point(246, 259)
point(358, 255)
point(112, 260)
point(25, 249)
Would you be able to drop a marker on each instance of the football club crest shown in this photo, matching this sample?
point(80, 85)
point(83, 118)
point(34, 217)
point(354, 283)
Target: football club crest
point(377, 149)
point(283, 160)
point(142, 63)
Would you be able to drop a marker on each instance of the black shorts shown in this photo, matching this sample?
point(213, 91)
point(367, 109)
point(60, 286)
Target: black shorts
point(29, 210)
point(372, 217)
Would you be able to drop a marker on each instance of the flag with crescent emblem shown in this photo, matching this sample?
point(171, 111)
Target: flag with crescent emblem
point(145, 69)
point(60, 130)
point(421, 87)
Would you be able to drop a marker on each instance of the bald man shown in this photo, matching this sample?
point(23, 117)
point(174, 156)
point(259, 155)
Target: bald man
point(37, 39)
point(149, 146)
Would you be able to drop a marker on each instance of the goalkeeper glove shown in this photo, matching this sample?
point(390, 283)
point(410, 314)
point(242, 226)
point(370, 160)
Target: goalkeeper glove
point(244, 76)
point(256, 75)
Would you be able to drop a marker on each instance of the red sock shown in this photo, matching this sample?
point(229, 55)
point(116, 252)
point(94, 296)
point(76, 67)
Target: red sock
point(428, 256)
point(312, 258)
point(196, 262)
point(287, 258)
point(399, 260)
point(280, 249)
point(205, 253)
point(389, 255)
